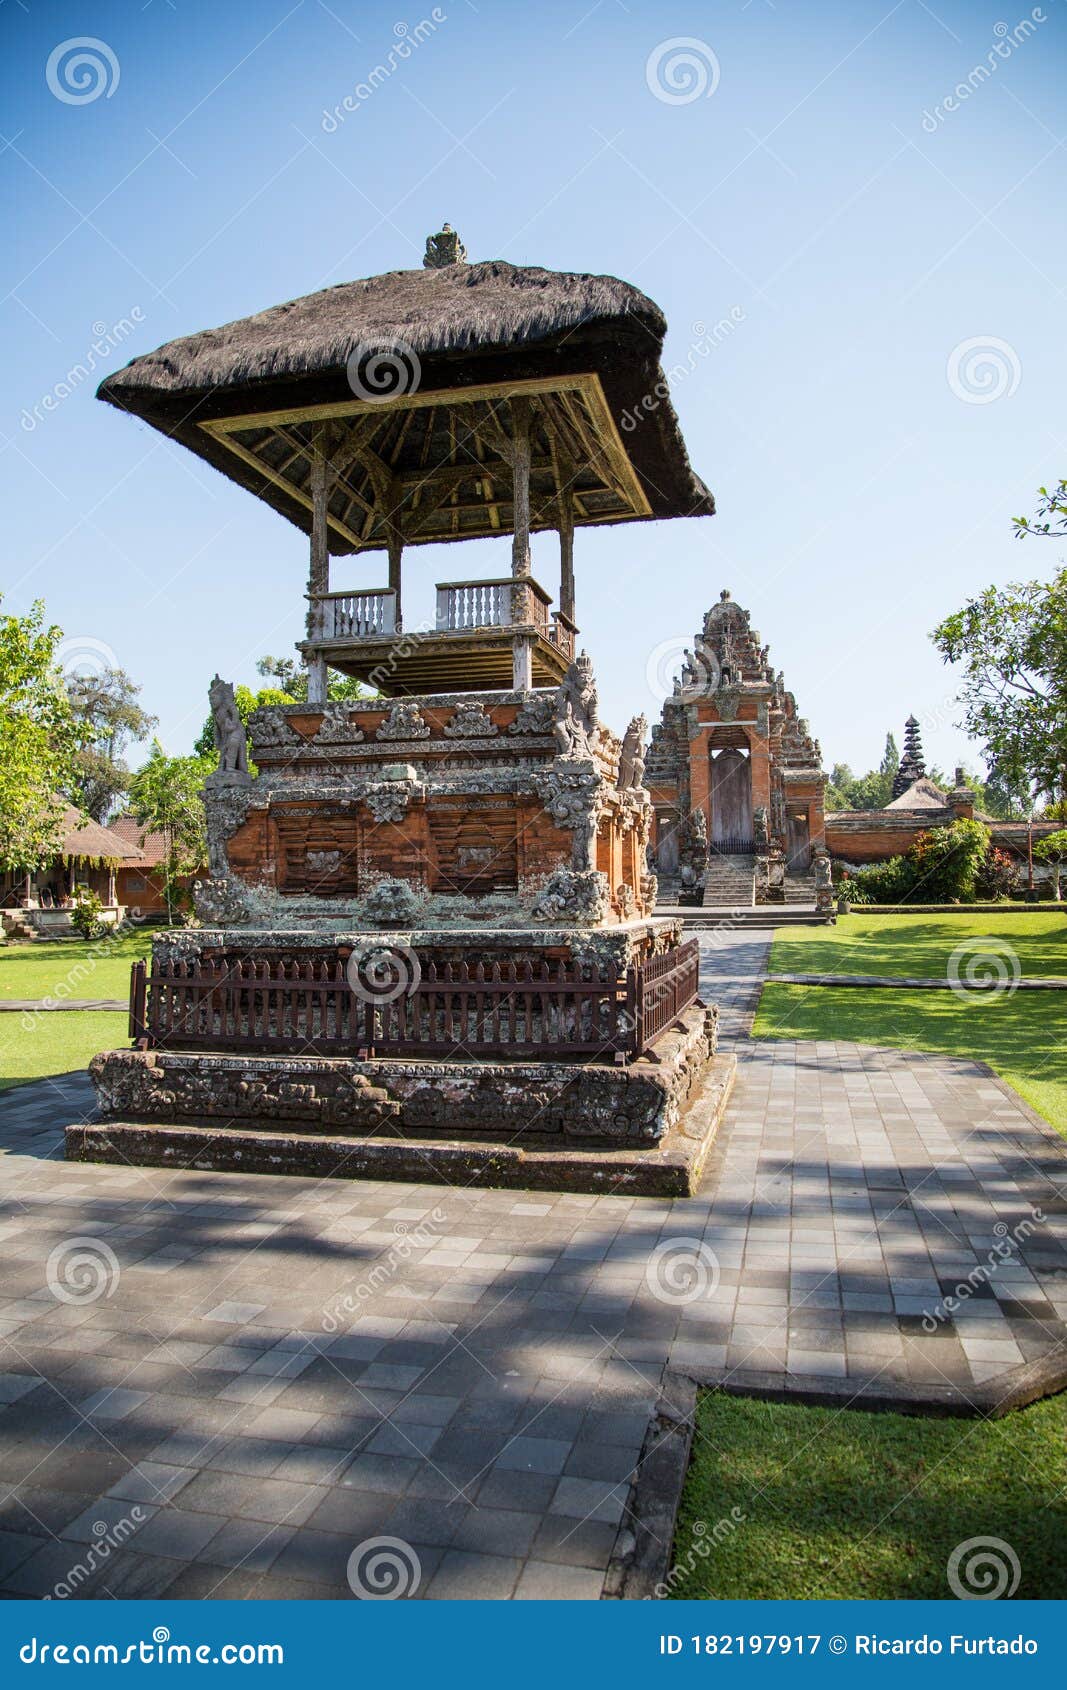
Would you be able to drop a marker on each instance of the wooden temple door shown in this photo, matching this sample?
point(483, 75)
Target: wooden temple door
point(731, 803)
point(797, 844)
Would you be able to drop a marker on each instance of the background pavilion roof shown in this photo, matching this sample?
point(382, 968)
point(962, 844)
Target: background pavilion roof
point(922, 794)
point(460, 343)
point(89, 841)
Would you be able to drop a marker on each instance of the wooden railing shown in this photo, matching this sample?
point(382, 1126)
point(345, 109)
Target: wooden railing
point(504, 1009)
point(362, 614)
point(564, 634)
point(502, 603)
point(665, 986)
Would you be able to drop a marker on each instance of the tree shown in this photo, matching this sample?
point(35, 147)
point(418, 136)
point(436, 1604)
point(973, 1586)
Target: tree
point(947, 861)
point(165, 795)
point(291, 688)
point(890, 757)
point(1051, 516)
point(1012, 644)
point(291, 676)
point(1053, 849)
point(39, 737)
point(107, 705)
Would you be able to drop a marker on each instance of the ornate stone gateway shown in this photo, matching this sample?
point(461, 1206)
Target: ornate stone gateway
point(427, 943)
point(731, 746)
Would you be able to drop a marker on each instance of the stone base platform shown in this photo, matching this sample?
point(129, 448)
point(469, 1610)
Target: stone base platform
point(670, 1167)
point(593, 1103)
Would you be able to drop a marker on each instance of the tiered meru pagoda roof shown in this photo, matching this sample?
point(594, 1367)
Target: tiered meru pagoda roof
point(464, 342)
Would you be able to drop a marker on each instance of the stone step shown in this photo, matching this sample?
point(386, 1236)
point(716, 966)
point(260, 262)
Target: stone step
point(799, 889)
point(695, 919)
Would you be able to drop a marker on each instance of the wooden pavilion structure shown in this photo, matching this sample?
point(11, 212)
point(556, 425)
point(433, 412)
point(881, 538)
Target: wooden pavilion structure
point(456, 402)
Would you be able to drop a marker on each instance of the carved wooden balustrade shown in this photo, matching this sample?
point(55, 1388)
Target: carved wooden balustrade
point(504, 1009)
point(365, 613)
point(503, 603)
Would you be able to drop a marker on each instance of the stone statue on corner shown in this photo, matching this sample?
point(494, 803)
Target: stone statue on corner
point(231, 741)
point(632, 756)
point(576, 722)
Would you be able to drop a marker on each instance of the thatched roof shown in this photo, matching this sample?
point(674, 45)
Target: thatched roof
point(922, 794)
point(88, 841)
point(463, 308)
point(484, 327)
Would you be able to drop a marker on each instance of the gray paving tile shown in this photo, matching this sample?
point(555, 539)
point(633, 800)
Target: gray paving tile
point(502, 1444)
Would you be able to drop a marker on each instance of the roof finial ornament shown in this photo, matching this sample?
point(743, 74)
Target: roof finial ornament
point(443, 249)
point(724, 595)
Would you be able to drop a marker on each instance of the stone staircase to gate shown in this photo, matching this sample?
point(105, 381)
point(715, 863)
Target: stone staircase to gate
point(800, 889)
point(730, 883)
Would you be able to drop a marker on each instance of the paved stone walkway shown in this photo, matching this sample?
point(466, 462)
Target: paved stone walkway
point(223, 1385)
point(46, 1006)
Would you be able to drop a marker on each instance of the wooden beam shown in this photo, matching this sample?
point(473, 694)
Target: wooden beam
point(319, 571)
point(520, 483)
point(566, 553)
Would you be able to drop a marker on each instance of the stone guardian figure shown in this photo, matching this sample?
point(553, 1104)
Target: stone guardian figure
point(632, 755)
point(576, 723)
point(231, 742)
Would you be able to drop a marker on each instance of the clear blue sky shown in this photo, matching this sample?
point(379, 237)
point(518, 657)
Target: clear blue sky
point(863, 492)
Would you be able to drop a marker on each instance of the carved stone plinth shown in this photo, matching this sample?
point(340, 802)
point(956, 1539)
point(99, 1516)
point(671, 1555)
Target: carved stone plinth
point(425, 917)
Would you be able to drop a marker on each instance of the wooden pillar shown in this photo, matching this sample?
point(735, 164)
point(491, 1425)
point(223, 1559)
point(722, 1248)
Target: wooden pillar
point(520, 482)
point(566, 554)
point(522, 663)
point(395, 542)
point(319, 571)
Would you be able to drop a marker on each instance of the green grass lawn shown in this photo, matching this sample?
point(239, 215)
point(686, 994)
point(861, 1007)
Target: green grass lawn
point(860, 1505)
point(71, 967)
point(1022, 1036)
point(56, 1043)
point(920, 945)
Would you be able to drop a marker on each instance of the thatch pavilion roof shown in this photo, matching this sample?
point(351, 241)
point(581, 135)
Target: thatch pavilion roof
point(87, 841)
point(462, 342)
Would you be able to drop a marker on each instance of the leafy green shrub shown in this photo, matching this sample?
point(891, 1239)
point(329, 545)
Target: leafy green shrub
point(999, 875)
point(880, 883)
point(85, 916)
point(945, 863)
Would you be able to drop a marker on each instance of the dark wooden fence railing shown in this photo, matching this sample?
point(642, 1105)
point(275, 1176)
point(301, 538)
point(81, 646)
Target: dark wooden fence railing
point(501, 1009)
point(732, 846)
